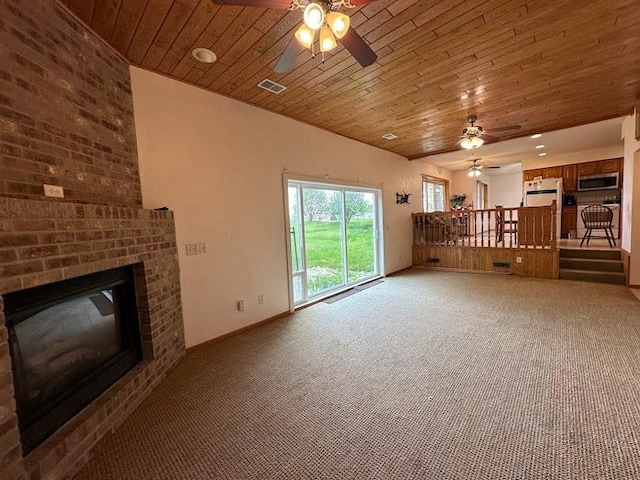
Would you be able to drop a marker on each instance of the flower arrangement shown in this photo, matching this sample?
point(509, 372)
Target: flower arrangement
point(457, 201)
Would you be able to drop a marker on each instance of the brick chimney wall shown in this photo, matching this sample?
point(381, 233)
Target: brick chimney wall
point(66, 118)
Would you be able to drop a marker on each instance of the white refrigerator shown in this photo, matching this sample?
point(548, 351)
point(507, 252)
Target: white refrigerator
point(539, 193)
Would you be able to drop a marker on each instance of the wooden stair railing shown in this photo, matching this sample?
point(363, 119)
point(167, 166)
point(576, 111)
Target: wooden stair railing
point(524, 227)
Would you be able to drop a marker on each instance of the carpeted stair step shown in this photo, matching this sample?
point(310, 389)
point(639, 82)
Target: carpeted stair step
point(592, 276)
point(592, 264)
point(586, 253)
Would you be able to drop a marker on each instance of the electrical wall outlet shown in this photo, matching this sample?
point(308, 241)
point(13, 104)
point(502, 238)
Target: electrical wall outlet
point(261, 299)
point(202, 247)
point(518, 259)
point(192, 248)
point(53, 191)
point(241, 305)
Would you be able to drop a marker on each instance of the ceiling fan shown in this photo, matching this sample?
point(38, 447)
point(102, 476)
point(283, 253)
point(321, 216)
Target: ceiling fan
point(474, 170)
point(323, 17)
point(474, 136)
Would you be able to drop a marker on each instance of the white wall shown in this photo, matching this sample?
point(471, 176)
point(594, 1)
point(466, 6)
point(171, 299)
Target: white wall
point(463, 183)
point(218, 164)
point(506, 190)
point(631, 216)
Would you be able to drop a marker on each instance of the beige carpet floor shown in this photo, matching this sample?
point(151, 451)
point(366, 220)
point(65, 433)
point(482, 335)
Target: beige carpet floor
point(428, 375)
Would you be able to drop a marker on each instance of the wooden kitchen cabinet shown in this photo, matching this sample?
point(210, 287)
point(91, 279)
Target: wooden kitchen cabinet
point(552, 172)
point(569, 178)
point(612, 165)
point(568, 220)
point(589, 168)
point(529, 175)
point(570, 173)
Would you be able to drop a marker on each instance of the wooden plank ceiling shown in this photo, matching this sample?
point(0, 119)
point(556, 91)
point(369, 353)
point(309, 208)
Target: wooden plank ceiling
point(541, 64)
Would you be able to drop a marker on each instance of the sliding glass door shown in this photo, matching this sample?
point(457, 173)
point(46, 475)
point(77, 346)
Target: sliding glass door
point(333, 237)
point(361, 231)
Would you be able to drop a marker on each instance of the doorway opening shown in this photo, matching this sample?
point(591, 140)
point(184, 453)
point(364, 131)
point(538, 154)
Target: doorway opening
point(334, 237)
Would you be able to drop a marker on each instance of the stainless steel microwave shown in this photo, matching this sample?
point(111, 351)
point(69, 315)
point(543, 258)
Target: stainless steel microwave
point(604, 181)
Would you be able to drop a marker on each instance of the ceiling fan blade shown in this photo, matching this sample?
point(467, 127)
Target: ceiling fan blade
point(288, 57)
point(505, 129)
point(283, 4)
point(489, 138)
point(358, 48)
point(357, 3)
point(492, 168)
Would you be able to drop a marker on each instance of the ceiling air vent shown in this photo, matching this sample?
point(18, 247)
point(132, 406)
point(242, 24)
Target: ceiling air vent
point(273, 87)
point(389, 136)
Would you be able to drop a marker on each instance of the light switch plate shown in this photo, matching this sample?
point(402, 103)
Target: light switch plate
point(202, 247)
point(192, 248)
point(53, 191)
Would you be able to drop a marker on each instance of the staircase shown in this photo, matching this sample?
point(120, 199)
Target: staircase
point(601, 266)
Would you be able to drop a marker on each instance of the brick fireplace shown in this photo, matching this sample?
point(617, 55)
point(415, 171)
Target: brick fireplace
point(51, 241)
point(66, 118)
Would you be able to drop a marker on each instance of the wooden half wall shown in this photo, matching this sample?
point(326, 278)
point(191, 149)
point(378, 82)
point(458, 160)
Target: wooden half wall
point(538, 263)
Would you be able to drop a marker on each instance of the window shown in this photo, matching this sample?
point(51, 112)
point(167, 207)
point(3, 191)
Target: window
point(434, 194)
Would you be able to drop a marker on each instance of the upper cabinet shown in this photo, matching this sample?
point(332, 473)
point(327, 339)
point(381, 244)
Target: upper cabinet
point(529, 175)
point(569, 178)
point(589, 168)
point(612, 165)
point(552, 172)
point(570, 173)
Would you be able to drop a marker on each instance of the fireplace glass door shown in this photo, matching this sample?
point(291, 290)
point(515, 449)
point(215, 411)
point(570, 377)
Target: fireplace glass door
point(69, 342)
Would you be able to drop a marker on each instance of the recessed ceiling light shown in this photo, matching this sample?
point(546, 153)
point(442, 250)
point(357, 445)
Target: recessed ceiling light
point(204, 55)
point(389, 136)
point(536, 135)
point(543, 154)
point(539, 146)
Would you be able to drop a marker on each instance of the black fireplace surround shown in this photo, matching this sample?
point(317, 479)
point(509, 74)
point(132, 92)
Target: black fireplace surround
point(69, 342)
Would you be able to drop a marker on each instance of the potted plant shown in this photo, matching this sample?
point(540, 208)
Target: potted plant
point(457, 201)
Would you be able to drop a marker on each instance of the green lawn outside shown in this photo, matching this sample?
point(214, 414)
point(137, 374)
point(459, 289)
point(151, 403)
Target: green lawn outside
point(324, 247)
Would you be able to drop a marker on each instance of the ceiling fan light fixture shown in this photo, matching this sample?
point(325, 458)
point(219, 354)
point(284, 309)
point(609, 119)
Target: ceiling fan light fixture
point(473, 172)
point(476, 142)
point(305, 35)
point(327, 40)
point(339, 23)
point(466, 143)
point(471, 141)
point(314, 16)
